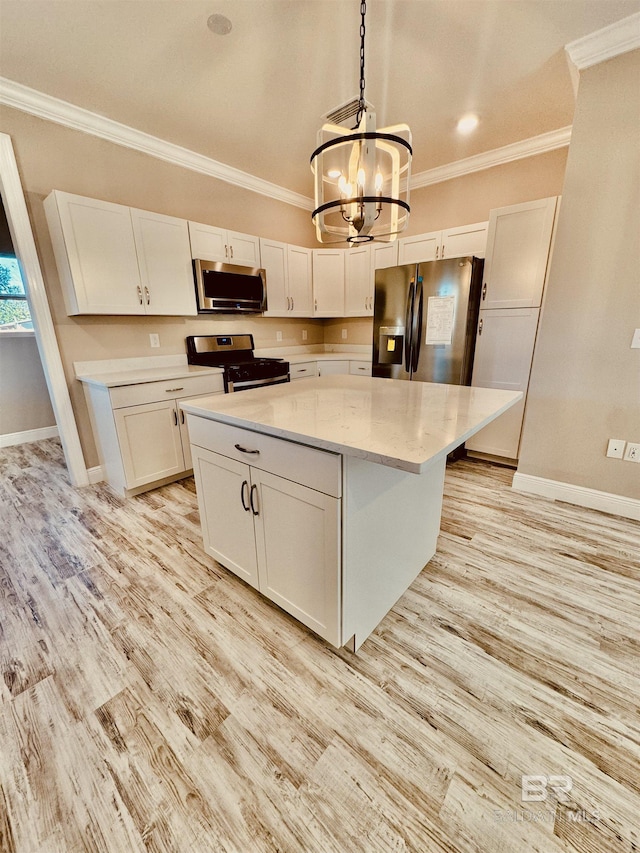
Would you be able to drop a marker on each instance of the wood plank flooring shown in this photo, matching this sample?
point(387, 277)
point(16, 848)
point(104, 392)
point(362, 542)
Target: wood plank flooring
point(151, 701)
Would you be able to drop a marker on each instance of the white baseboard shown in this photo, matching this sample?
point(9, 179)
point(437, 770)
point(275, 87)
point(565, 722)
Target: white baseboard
point(96, 475)
point(24, 437)
point(579, 495)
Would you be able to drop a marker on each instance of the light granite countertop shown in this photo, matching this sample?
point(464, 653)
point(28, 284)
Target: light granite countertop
point(400, 424)
point(138, 375)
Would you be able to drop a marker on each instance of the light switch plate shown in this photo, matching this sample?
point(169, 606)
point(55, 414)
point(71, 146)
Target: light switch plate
point(615, 448)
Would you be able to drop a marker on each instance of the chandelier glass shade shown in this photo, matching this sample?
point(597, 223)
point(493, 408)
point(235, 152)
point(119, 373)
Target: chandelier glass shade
point(361, 175)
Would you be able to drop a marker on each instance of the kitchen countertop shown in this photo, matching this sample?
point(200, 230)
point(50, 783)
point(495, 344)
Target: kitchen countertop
point(115, 378)
point(404, 425)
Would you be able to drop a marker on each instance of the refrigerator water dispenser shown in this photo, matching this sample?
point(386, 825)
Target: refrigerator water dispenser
point(390, 344)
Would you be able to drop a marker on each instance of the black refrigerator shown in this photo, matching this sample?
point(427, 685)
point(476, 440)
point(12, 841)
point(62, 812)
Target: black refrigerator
point(425, 319)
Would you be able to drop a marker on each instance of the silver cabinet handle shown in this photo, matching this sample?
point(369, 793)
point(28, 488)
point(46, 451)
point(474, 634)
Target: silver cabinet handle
point(484, 291)
point(146, 293)
point(139, 289)
point(231, 250)
point(244, 485)
point(175, 418)
point(288, 303)
point(480, 324)
point(254, 508)
point(292, 303)
point(226, 251)
point(442, 256)
point(181, 416)
point(437, 250)
point(302, 370)
point(171, 390)
point(245, 449)
point(315, 303)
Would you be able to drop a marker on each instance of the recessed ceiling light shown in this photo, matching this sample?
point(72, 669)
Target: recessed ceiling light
point(219, 25)
point(468, 123)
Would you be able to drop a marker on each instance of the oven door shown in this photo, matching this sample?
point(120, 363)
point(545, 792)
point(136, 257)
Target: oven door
point(232, 386)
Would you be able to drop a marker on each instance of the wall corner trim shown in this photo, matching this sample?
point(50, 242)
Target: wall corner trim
point(96, 475)
point(578, 495)
point(606, 43)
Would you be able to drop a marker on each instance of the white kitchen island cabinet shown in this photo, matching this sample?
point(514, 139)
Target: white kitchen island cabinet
point(334, 486)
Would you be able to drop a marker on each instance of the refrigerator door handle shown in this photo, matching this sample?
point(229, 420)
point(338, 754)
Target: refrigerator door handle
point(408, 326)
point(416, 330)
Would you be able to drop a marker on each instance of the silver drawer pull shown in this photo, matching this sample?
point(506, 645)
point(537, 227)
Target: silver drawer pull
point(244, 449)
point(302, 370)
point(171, 390)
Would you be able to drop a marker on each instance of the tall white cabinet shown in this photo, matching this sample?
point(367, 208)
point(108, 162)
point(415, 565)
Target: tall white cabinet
point(519, 245)
point(289, 282)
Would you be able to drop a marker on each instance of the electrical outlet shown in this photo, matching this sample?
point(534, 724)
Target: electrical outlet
point(344, 334)
point(154, 340)
point(635, 340)
point(632, 453)
point(278, 336)
point(304, 334)
point(615, 448)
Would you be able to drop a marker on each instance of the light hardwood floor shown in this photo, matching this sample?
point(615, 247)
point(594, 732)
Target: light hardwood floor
point(149, 700)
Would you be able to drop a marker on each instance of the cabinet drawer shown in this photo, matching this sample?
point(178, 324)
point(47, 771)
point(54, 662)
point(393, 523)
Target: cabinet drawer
point(363, 368)
point(152, 392)
point(303, 370)
point(318, 469)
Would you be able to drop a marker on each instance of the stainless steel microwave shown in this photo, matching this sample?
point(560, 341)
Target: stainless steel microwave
point(229, 289)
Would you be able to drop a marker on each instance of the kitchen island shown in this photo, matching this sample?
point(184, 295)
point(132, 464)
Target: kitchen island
point(325, 494)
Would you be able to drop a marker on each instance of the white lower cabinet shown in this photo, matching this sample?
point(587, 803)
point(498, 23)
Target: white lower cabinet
point(327, 368)
point(281, 534)
point(303, 370)
point(504, 351)
point(141, 431)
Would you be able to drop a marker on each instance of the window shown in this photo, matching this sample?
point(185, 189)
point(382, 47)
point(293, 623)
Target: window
point(14, 310)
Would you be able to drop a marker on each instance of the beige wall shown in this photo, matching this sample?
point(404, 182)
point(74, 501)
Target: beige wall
point(53, 157)
point(24, 398)
point(585, 383)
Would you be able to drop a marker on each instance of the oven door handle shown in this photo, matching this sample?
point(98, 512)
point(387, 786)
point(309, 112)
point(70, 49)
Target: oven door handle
point(255, 383)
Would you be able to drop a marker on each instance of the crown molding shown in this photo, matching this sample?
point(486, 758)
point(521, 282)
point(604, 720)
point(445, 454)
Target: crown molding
point(496, 157)
point(606, 43)
point(36, 103)
point(43, 106)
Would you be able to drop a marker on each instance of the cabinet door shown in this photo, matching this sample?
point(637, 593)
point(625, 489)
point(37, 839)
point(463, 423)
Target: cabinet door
point(466, 240)
point(328, 282)
point(298, 542)
point(384, 255)
point(300, 281)
point(518, 247)
point(421, 247)
point(327, 368)
point(164, 258)
point(358, 282)
point(96, 255)
point(149, 439)
point(244, 249)
point(504, 351)
point(184, 430)
point(207, 242)
point(227, 523)
point(274, 261)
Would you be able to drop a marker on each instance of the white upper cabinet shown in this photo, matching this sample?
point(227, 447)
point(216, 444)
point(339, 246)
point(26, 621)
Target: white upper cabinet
point(451, 243)
point(164, 260)
point(115, 260)
point(328, 282)
point(209, 243)
point(518, 248)
point(359, 282)
point(419, 248)
point(300, 281)
point(274, 262)
point(384, 255)
point(464, 240)
point(289, 285)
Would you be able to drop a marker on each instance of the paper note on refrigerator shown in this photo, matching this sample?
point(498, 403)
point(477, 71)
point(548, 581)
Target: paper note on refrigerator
point(440, 311)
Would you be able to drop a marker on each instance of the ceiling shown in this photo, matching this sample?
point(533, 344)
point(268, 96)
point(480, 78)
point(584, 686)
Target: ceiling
point(253, 99)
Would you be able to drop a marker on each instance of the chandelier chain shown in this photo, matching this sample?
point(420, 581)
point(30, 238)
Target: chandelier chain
point(361, 103)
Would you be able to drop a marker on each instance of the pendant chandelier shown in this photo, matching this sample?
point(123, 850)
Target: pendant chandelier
point(361, 175)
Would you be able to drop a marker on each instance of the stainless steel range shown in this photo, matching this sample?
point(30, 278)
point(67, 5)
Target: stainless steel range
point(234, 354)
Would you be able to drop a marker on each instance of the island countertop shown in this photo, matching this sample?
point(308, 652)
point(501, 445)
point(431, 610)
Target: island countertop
point(400, 424)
